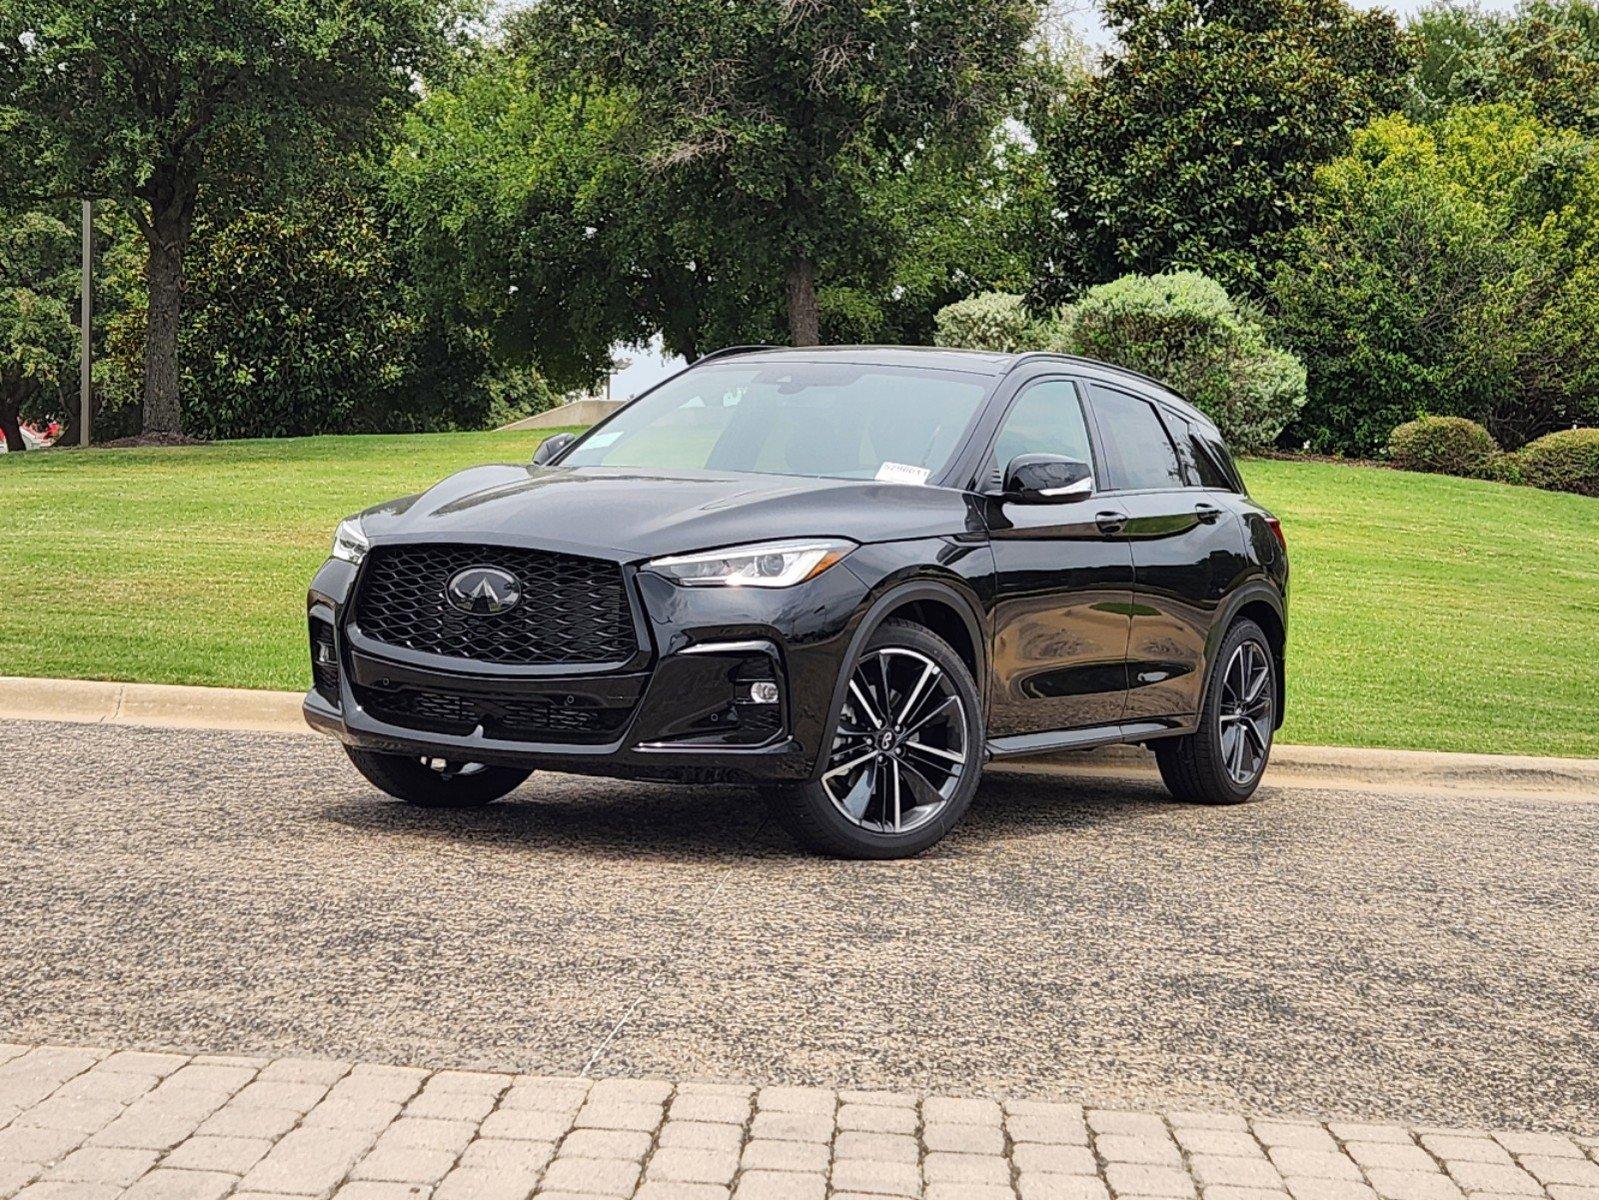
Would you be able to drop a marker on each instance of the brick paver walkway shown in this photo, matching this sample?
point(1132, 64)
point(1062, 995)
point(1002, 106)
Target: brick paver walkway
point(92, 1124)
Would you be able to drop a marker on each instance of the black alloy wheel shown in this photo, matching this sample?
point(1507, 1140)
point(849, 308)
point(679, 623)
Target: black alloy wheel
point(1223, 761)
point(905, 757)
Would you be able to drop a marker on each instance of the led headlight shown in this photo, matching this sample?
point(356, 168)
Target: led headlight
point(349, 540)
point(769, 564)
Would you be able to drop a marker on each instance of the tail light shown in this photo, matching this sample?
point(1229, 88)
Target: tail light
point(1276, 527)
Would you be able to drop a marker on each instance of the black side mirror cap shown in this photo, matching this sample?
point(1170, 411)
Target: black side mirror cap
point(1047, 479)
point(551, 446)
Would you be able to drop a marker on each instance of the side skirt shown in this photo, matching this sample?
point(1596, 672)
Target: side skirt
point(1023, 744)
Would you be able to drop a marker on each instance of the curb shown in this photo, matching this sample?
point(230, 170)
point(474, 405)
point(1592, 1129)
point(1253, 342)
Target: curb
point(171, 706)
point(89, 701)
point(1355, 768)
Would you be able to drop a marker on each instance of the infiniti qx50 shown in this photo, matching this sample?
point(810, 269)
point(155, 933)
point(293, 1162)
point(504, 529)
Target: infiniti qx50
point(848, 576)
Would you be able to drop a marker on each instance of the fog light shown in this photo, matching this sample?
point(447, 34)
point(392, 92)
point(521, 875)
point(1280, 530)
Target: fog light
point(763, 692)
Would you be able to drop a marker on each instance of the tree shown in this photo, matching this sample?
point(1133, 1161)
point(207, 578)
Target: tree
point(536, 212)
point(528, 220)
point(37, 335)
point(783, 118)
point(149, 100)
point(1195, 146)
point(1182, 328)
point(1451, 269)
point(1544, 57)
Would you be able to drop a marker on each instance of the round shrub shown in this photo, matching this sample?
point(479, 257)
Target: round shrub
point(991, 321)
point(1185, 330)
point(1444, 446)
point(1567, 461)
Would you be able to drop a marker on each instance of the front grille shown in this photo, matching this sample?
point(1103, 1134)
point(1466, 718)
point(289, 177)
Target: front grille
point(502, 714)
point(573, 610)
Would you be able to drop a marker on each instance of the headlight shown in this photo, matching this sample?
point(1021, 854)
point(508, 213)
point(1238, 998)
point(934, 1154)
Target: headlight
point(769, 565)
point(349, 540)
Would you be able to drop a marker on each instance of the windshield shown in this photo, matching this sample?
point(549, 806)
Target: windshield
point(839, 420)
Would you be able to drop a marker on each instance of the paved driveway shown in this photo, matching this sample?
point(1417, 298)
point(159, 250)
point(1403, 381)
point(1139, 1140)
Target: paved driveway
point(1418, 957)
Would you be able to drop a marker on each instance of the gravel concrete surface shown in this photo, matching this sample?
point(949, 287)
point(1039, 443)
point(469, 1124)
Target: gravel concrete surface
point(1422, 957)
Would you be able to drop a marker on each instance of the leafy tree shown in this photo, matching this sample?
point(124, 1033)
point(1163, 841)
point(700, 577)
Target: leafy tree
point(527, 219)
point(1184, 329)
point(304, 319)
point(958, 225)
point(784, 119)
point(1451, 270)
point(1543, 57)
point(1181, 328)
point(37, 335)
point(536, 212)
point(1195, 146)
point(149, 100)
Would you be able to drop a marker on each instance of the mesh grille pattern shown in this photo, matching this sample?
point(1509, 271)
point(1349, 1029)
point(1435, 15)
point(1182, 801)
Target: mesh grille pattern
point(502, 714)
point(573, 610)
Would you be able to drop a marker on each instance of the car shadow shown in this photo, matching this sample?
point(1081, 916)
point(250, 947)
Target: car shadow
point(583, 817)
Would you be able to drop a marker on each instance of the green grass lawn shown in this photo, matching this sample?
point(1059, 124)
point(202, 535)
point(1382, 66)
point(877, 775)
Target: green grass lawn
point(1426, 612)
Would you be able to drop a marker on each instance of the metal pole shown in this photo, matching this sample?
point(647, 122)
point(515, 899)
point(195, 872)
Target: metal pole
point(86, 366)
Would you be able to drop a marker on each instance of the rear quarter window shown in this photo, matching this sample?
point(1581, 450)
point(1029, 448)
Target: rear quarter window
point(1209, 465)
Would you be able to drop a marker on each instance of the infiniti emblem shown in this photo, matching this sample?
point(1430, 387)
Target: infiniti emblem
point(483, 590)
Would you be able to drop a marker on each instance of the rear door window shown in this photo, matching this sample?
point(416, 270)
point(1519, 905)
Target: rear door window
point(1138, 451)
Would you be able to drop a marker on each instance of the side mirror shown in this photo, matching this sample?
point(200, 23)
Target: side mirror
point(551, 446)
point(1047, 479)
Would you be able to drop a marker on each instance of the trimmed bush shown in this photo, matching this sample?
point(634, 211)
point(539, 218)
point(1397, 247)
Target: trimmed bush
point(1184, 329)
point(991, 321)
point(1444, 446)
point(1566, 461)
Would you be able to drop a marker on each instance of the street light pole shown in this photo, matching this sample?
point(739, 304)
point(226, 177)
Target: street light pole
point(86, 365)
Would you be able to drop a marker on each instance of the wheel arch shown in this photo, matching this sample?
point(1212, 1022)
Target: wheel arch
point(1262, 604)
point(937, 607)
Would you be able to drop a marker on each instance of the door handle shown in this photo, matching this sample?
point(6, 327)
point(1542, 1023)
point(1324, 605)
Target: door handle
point(1110, 522)
point(1208, 513)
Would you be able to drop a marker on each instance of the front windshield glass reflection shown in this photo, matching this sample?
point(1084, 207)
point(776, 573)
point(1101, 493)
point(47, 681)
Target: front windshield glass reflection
point(838, 420)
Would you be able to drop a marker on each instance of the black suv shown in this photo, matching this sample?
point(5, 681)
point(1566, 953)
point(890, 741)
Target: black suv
point(853, 575)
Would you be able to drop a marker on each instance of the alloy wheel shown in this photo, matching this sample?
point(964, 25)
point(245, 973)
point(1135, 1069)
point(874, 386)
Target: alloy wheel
point(1246, 712)
point(901, 750)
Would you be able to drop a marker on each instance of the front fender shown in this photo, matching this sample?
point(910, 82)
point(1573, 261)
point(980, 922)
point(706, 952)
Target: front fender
point(897, 575)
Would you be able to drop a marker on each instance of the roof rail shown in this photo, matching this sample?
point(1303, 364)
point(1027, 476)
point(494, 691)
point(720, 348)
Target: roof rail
point(734, 350)
point(1094, 362)
point(1100, 363)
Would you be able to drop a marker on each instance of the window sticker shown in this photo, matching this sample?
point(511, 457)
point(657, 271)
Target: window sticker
point(601, 440)
point(893, 472)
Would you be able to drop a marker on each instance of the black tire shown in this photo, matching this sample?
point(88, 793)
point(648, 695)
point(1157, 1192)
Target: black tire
point(810, 812)
point(1200, 768)
point(459, 785)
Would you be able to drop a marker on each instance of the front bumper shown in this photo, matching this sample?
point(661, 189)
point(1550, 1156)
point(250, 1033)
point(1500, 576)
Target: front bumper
point(682, 710)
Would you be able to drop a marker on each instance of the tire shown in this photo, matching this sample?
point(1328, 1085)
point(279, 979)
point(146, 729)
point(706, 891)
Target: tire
point(1202, 768)
point(458, 785)
point(914, 790)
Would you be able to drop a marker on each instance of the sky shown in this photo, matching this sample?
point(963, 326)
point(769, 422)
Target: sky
point(649, 365)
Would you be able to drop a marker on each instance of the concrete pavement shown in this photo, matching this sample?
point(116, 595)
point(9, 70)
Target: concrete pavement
point(1421, 957)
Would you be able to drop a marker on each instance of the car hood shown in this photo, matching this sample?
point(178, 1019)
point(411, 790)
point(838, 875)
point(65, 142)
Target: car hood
point(632, 514)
